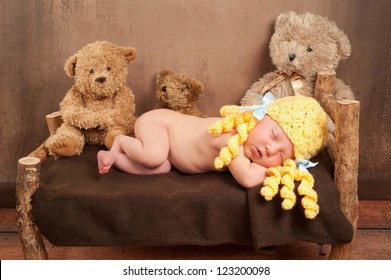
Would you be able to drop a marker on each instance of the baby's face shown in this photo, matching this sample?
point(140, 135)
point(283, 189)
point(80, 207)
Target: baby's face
point(267, 144)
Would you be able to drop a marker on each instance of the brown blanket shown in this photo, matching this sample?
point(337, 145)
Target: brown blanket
point(271, 225)
point(76, 206)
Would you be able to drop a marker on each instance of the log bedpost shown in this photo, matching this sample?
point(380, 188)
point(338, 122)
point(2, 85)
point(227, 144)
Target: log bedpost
point(343, 149)
point(53, 122)
point(323, 92)
point(346, 168)
point(27, 182)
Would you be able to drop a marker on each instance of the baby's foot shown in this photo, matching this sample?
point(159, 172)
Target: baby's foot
point(106, 160)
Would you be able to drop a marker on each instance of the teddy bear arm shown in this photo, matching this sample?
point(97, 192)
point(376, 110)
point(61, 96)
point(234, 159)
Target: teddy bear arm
point(80, 118)
point(74, 113)
point(122, 113)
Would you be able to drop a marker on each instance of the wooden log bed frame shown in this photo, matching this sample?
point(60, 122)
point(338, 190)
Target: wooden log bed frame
point(343, 149)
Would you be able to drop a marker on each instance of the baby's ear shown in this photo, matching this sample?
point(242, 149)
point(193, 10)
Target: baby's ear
point(129, 54)
point(70, 65)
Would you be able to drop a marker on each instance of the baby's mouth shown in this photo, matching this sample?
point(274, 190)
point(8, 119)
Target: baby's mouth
point(256, 152)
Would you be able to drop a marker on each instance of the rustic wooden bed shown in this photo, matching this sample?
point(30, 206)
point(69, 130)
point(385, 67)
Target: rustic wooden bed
point(342, 150)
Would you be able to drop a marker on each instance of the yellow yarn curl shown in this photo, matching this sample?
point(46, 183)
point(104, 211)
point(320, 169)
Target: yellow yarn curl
point(243, 122)
point(286, 175)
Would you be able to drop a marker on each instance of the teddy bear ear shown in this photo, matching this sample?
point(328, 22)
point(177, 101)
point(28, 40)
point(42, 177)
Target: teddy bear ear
point(70, 65)
point(283, 19)
point(344, 46)
point(162, 75)
point(165, 72)
point(195, 86)
point(160, 78)
point(129, 53)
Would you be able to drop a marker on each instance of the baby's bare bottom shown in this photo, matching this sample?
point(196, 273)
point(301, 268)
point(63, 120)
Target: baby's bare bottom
point(146, 153)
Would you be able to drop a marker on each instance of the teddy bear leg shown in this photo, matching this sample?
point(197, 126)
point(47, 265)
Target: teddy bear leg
point(110, 136)
point(343, 91)
point(66, 142)
point(330, 125)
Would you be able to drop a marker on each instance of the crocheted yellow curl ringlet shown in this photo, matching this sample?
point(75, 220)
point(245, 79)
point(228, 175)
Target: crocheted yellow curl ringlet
point(286, 175)
point(243, 122)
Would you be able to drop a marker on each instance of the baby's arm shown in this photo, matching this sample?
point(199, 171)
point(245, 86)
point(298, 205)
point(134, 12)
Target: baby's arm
point(247, 173)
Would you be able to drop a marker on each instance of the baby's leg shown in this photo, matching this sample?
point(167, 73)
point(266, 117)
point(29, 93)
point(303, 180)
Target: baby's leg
point(107, 159)
point(150, 147)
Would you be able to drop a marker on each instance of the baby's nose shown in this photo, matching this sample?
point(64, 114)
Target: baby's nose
point(271, 150)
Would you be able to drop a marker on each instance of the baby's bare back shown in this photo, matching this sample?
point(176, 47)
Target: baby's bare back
point(192, 148)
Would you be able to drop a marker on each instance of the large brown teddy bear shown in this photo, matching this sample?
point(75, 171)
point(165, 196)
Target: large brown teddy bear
point(99, 106)
point(302, 46)
point(177, 92)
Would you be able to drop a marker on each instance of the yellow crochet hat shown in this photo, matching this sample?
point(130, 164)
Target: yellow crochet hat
point(304, 122)
point(301, 118)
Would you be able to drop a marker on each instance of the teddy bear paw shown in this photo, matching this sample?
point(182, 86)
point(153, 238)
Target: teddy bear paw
point(64, 148)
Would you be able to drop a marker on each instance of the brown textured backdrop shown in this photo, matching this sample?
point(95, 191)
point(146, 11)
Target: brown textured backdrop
point(223, 44)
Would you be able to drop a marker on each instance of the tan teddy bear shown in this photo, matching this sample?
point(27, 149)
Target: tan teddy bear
point(99, 106)
point(302, 46)
point(177, 92)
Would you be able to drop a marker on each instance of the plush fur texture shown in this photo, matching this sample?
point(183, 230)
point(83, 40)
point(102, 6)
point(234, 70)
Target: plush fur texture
point(99, 106)
point(305, 44)
point(177, 92)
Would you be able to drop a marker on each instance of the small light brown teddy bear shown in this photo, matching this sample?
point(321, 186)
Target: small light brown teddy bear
point(302, 46)
point(99, 106)
point(178, 93)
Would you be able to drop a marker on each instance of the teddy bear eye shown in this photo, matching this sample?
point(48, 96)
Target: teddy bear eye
point(309, 49)
point(164, 88)
point(108, 68)
point(92, 71)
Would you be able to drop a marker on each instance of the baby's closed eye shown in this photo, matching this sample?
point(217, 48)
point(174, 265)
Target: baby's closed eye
point(274, 135)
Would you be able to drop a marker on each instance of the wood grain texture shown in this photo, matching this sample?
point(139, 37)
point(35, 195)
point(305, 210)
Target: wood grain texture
point(27, 183)
point(324, 88)
point(374, 214)
point(8, 220)
point(346, 167)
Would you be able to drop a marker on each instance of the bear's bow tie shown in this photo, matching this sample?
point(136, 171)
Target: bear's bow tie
point(295, 79)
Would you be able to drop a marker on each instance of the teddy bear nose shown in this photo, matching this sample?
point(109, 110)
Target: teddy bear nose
point(292, 56)
point(100, 80)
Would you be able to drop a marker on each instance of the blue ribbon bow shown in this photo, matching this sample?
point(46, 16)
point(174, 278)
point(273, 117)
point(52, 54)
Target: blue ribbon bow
point(259, 111)
point(303, 164)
